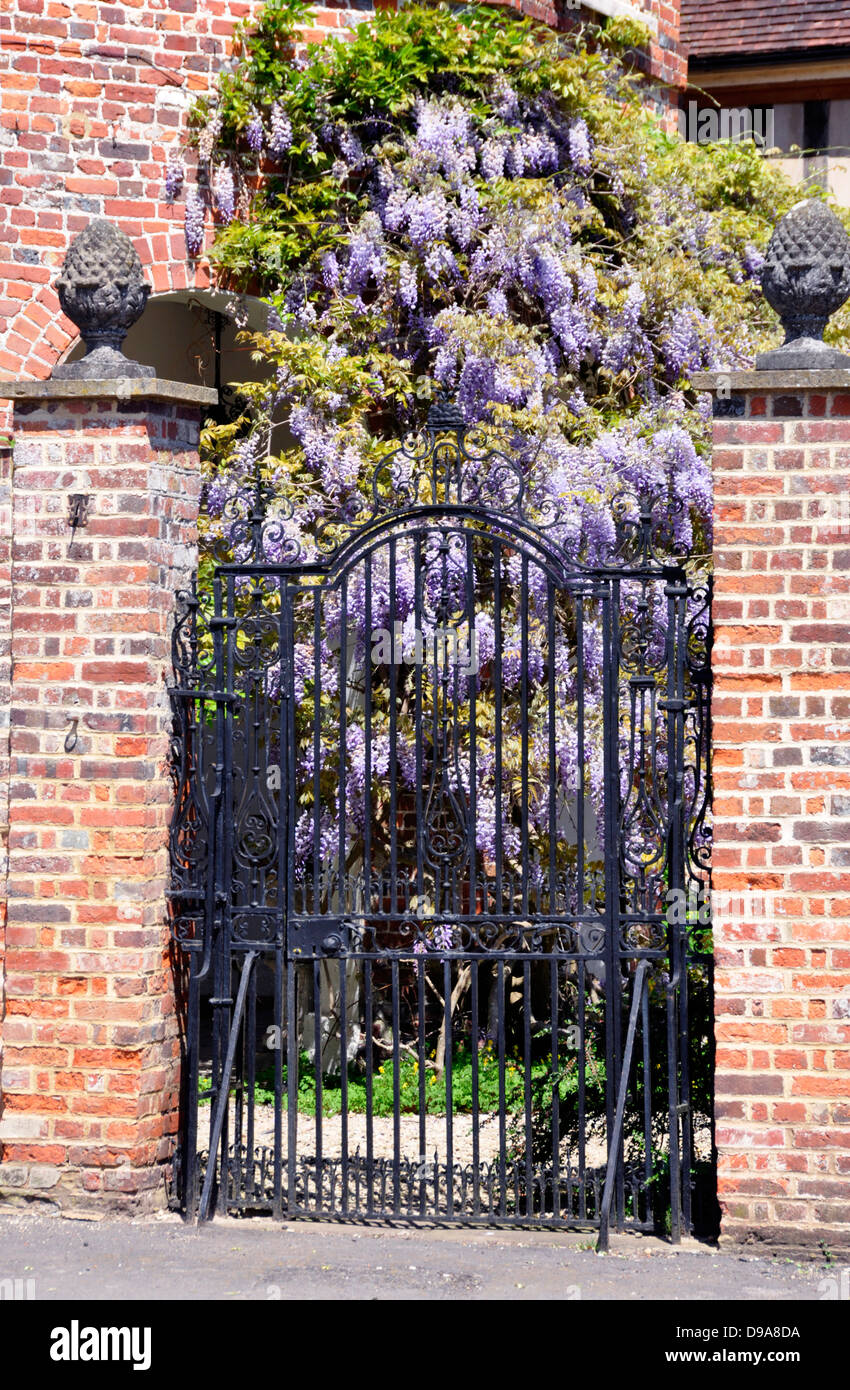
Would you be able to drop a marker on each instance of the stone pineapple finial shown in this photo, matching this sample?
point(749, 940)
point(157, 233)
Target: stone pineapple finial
point(806, 277)
point(103, 291)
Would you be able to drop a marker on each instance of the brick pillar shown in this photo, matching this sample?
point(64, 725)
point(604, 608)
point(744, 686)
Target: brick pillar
point(89, 1063)
point(781, 877)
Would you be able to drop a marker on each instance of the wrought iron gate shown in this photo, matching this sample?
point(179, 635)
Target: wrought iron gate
point(441, 788)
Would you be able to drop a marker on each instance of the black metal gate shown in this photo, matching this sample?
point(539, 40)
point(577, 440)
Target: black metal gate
point(439, 859)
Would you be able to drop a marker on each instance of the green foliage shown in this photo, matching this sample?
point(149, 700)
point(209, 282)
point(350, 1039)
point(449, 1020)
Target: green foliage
point(462, 1082)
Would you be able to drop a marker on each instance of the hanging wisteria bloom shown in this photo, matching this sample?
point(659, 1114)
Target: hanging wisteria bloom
point(208, 137)
point(408, 291)
point(193, 222)
point(580, 147)
point(174, 175)
point(224, 193)
point(280, 138)
point(254, 133)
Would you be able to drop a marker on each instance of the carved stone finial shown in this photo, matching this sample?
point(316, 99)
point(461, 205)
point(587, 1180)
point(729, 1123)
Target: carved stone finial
point(806, 277)
point(103, 291)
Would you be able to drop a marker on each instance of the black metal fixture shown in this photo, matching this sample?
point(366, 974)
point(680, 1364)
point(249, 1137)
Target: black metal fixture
point(78, 509)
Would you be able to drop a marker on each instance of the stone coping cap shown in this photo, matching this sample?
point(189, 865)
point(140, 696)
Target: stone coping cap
point(834, 378)
point(148, 388)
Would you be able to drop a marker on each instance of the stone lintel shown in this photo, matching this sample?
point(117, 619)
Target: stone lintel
point(833, 379)
point(119, 389)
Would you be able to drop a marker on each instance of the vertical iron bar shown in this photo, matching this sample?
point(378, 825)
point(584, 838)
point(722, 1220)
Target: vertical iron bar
point(497, 696)
point(291, 1087)
point(553, 763)
point(343, 1080)
point(370, 1065)
point(317, 1075)
point(500, 1023)
point(393, 750)
point(447, 986)
point(582, 771)
point(611, 770)
point(582, 1087)
point(472, 686)
point(317, 752)
point(474, 966)
point(418, 737)
point(526, 1057)
point(367, 746)
point(396, 1092)
point(556, 1091)
point(423, 1100)
point(676, 593)
point(342, 890)
point(286, 889)
point(524, 729)
point(190, 1138)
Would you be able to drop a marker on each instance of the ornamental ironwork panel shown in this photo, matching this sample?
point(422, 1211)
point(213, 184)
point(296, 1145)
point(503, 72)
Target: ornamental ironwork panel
point(440, 856)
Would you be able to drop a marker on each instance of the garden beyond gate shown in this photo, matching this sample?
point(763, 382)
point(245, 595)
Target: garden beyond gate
point(440, 857)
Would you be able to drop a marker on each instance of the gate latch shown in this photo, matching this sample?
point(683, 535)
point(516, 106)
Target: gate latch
point(318, 936)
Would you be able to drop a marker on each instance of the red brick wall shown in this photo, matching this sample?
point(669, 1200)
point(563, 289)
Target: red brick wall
point(781, 860)
point(90, 1048)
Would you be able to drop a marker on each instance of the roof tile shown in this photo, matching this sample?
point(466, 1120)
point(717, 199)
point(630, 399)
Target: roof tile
point(763, 26)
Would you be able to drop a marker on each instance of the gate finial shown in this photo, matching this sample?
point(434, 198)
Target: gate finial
point(103, 291)
point(806, 278)
point(445, 417)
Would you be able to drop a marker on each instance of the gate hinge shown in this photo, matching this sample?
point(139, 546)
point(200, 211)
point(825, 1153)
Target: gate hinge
point(196, 692)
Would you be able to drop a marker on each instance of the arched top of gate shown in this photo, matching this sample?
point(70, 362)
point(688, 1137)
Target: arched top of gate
point(456, 477)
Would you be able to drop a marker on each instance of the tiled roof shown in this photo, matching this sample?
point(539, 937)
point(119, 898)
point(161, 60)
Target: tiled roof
point(732, 27)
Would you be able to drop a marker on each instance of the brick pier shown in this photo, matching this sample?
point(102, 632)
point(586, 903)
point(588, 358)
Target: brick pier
point(781, 861)
point(90, 1052)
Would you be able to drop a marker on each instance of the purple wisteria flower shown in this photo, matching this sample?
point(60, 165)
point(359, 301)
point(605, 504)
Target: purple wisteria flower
point(427, 217)
point(408, 290)
point(193, 222)
point(208, 137)
point(280, 137)
point(174, 175)
point(752, 262)
point(224, 193)
point(254, 134)
point(493, 156)
point(580, 146)
point(330, 270)
point(367, 258)
point(443, 937)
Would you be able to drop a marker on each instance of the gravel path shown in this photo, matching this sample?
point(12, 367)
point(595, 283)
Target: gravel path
point(410, 1144)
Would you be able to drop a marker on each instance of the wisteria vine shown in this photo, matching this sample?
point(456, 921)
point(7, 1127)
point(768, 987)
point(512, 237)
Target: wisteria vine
point(476, 205)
